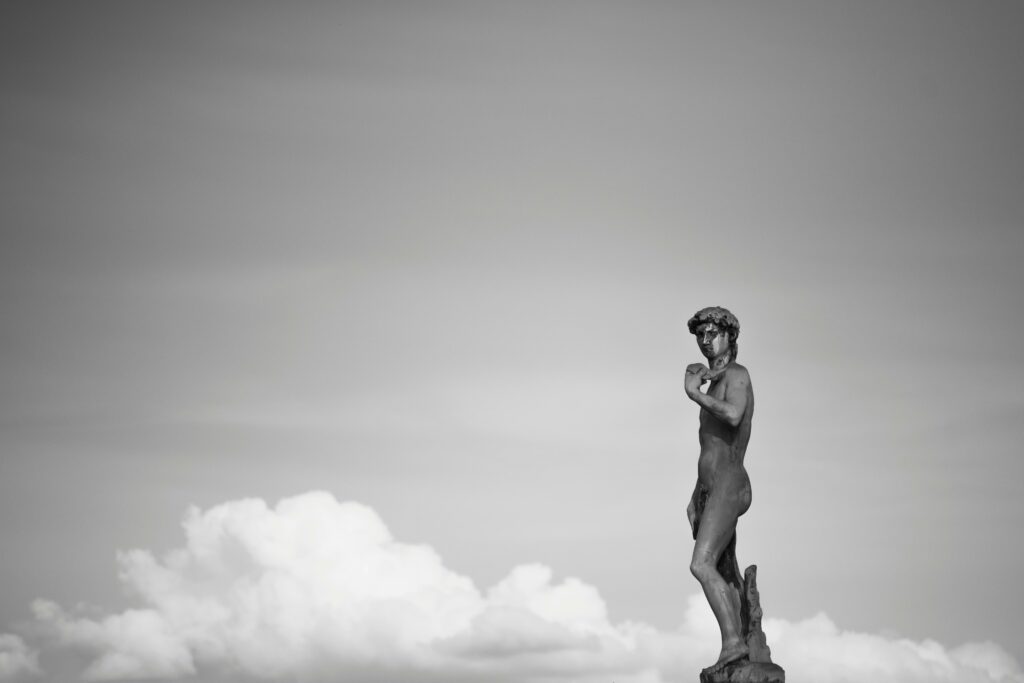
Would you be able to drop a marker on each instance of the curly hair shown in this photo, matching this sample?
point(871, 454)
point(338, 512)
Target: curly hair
point(722, 317)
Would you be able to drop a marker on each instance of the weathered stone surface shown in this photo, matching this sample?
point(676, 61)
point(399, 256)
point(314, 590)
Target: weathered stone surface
point(745, 671)
point(757, 666)
point(751, 615)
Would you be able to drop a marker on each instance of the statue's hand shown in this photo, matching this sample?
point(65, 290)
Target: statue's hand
point(697, 369)
point(696, 375)
point(714, 374)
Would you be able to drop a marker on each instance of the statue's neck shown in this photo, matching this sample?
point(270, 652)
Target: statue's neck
point(718, 364)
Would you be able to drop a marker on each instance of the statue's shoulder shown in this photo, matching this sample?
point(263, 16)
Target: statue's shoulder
point(738, 371)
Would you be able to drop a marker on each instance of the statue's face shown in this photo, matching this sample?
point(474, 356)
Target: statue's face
point(712, 340)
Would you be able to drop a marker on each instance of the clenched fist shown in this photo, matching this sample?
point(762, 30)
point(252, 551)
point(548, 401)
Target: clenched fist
point(696, 375)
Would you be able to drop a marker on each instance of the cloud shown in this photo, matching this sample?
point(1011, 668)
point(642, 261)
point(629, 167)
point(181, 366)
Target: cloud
point(816, 649)
point(314, 586)
point(312, 589)
point(17, 661)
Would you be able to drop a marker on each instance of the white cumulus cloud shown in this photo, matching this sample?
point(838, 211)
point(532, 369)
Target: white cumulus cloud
point(17, 660)
point(314, 589)
point(816, 649)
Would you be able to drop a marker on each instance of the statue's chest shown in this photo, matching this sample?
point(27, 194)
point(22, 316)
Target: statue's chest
point(717, 389)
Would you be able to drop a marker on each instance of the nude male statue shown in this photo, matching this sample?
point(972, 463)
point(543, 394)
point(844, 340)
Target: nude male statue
point(722, 493)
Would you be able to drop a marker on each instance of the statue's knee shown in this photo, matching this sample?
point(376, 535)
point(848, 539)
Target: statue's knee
point(700, 569)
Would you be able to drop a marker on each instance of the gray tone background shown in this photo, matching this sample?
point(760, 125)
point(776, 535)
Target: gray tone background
point(439, 259)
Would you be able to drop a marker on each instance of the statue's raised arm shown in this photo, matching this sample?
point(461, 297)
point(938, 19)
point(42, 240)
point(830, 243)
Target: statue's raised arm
point(733, 405)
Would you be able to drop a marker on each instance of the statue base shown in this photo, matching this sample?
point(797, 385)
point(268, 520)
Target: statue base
point(745, 671)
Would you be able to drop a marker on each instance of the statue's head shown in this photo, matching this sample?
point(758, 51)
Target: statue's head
point(716, 329)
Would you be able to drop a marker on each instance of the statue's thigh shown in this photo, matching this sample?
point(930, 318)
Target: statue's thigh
point(718, 523)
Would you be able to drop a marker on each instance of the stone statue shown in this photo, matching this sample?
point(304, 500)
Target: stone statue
point(723, 494)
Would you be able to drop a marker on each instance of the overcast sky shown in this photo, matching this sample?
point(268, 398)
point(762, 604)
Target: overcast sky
point(438, 258)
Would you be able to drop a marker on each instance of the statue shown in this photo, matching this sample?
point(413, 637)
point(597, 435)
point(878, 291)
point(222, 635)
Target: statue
point(721, 496)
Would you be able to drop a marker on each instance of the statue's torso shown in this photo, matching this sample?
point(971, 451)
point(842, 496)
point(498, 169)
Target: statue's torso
point(723, 447)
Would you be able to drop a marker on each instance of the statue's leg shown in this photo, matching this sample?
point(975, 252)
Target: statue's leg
point(729, 567)
point(716, 533)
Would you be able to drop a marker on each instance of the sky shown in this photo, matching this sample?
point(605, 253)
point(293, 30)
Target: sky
point(291, 292)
